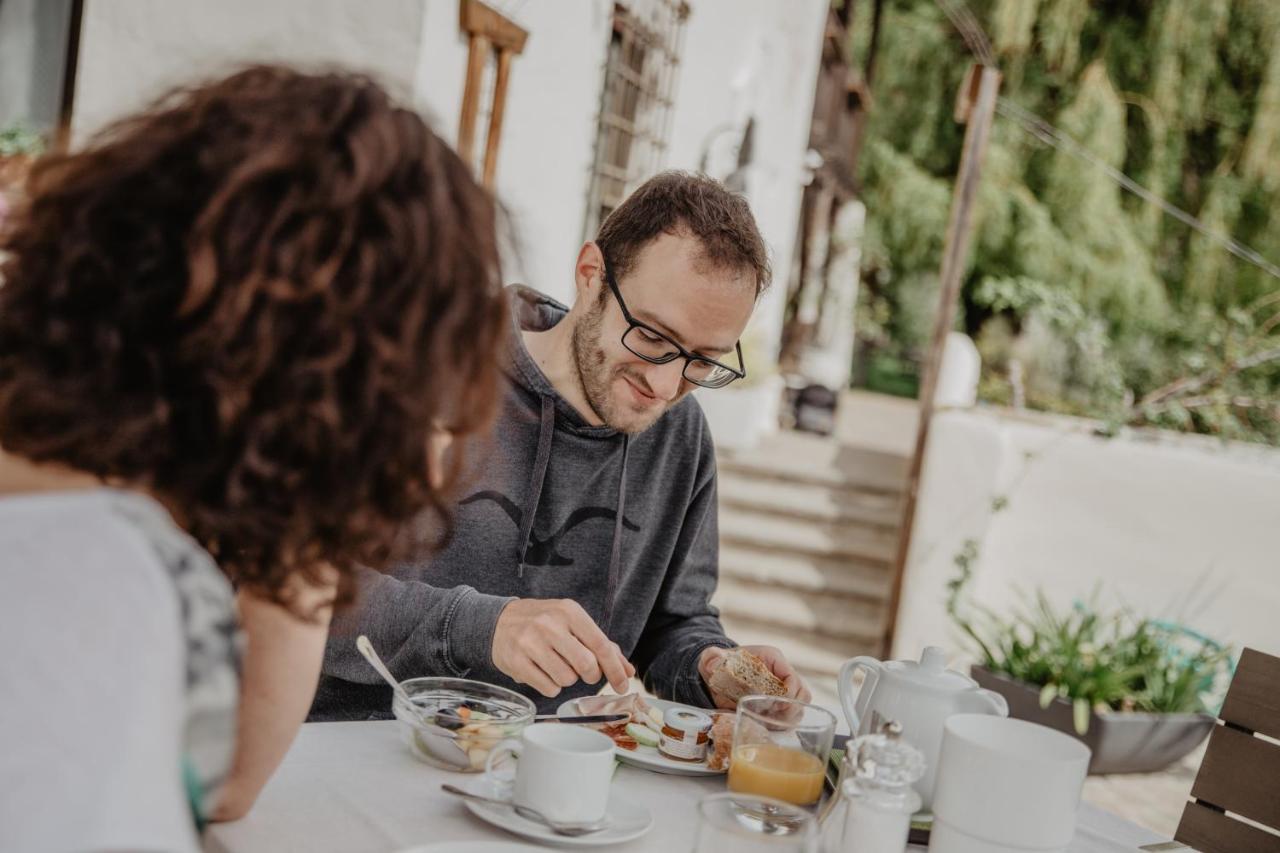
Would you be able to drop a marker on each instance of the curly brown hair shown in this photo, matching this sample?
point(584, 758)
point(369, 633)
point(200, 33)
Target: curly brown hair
point(256, 299)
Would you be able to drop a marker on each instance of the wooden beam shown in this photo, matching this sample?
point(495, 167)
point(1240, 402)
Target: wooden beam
point(978, 115)
point(477, 56)
point(477, 19)
point(495, 118)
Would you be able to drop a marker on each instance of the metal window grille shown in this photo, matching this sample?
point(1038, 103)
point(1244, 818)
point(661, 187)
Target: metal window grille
point(635, 101)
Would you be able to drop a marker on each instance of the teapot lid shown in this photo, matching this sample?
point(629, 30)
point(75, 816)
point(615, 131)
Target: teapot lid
point(930, 672)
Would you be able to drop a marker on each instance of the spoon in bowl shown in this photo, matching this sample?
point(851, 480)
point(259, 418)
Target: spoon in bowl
point(366, 648)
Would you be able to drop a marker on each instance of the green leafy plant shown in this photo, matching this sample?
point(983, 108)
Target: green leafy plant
point(1083, 298)
point(1115, 661)
point(20, 140)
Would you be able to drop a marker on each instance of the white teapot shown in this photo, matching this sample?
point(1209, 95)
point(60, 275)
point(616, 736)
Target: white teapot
point(919, 696)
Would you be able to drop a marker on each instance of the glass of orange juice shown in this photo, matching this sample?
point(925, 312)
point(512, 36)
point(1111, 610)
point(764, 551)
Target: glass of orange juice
point(780, 749)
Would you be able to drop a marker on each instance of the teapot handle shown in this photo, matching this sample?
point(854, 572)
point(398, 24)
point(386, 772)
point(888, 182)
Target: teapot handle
point(983, 701)
point(855, 705)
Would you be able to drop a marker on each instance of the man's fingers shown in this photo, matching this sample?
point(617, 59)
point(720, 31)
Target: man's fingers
point(531, 674)
point(556, 667)
point(796, 688)
point(612, 662)
point(579, 657)
point(615, 667)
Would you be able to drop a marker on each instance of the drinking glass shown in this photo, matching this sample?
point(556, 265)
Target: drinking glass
point(730, 821)
point(780, 749)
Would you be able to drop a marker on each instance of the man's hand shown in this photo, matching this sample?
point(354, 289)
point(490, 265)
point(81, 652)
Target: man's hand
point(774, 659)
point(551, 644)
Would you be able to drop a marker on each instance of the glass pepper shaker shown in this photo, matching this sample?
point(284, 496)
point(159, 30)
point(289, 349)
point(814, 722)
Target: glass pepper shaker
point(878, 800)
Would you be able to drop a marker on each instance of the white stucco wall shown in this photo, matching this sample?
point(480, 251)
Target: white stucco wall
point(740, 58)
point(754, 57)
point(1173, 527)
point(133, 50)
point(548, 133)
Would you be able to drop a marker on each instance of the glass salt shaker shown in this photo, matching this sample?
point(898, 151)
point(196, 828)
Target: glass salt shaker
point(878, 800)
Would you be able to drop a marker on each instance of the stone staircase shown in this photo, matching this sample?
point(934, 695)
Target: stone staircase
point(808, 531)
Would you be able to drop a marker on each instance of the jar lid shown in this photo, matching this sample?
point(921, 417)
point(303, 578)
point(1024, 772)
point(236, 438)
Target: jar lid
point(883, 760)
point(687, 720)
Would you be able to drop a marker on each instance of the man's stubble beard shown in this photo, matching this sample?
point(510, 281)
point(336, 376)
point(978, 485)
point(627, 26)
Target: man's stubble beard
point(595, 377)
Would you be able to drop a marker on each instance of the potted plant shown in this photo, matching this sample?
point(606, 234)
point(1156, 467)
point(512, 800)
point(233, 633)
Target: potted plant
point(19, 145)
point(1137, 691)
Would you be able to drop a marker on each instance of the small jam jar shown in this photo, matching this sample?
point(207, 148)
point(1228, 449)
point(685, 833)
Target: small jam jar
point(684, 734)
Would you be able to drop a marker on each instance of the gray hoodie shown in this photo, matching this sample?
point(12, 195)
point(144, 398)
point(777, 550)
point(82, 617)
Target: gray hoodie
point(552, 507)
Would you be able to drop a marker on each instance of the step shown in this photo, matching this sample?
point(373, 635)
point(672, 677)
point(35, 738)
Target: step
point(869, 579)
point(817, 658)
point(799, 457)
point(808, 500)
point(766, 530)
point(820, 613)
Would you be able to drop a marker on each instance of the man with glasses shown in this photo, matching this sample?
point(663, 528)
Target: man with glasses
point(584, 547)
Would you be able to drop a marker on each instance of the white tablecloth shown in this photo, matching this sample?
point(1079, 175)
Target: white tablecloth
point(354, 788)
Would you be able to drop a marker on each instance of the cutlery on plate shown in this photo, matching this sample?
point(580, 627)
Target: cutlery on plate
point(571, 830)
point(451, 719)
point(589, 718)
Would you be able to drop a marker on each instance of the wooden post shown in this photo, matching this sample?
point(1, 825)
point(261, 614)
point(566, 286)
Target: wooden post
point(489, 33)
point(975, 105)
point(495, 118)
point(477, 57)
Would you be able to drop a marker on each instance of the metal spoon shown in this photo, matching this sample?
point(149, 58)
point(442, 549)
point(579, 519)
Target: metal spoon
point(366, 648)
point(570, 830)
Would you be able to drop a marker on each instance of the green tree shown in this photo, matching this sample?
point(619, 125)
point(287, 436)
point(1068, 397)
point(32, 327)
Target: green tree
point(1085, 298)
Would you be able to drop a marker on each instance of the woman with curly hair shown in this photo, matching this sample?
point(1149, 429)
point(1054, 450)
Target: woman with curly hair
point(236, 332)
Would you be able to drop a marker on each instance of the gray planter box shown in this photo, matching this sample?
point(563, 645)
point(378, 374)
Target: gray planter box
point(1121, 742)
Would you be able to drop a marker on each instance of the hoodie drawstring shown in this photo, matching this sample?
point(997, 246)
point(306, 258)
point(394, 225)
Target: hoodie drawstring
point(546, 429)
point(615, 554)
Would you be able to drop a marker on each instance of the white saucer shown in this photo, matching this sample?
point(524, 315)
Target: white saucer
point(627, 820)
point(648, 757)
point(472, 847)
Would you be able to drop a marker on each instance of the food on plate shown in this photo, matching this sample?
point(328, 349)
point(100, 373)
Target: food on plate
point(740, 673)
point(684, 734)
point(721, 741)
point(620, 736)
point(628, 734)
point(643, 735)
point(630, 703)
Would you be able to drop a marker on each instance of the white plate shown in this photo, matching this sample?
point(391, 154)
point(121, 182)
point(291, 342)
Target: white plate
point(472, 847)
point(648, 757)
point(627, 820)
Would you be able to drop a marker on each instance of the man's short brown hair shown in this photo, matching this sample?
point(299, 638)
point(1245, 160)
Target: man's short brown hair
point(682, 202)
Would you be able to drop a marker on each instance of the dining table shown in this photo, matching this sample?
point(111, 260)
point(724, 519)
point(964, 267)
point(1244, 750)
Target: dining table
point(354, 787)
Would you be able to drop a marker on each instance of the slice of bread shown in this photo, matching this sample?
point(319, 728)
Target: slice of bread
point(741, 673)
point(721, 741)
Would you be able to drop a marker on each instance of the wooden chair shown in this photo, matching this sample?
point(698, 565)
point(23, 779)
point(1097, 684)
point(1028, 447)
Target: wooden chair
point(1238, 786)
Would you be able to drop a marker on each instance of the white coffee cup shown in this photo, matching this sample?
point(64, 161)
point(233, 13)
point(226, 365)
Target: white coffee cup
point(562, 771)
point(1006, 785)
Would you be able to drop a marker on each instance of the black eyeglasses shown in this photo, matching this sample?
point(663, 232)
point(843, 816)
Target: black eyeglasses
point(656, 348)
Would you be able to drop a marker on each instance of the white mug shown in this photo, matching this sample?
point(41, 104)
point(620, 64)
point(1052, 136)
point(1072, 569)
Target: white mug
point(562, 771)
point(1006, 785)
